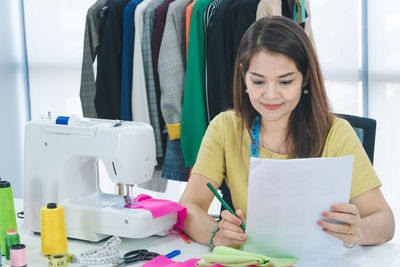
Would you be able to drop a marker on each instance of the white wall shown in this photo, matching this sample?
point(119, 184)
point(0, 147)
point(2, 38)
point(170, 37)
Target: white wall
point(384, 95)
point(337, 35)
point(14, 103)
point(54, 32)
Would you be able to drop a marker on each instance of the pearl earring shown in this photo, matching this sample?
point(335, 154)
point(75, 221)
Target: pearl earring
point(305, 91)
point(247, 91)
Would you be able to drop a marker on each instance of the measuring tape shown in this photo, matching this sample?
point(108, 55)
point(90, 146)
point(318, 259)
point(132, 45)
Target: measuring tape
point(108, 253)
point(60, 260)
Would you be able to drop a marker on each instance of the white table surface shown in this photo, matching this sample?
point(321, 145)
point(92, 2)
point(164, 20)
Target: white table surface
point(364, 256)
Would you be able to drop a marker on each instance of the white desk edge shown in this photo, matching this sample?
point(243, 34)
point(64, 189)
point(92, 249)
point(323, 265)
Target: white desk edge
point(382, 255)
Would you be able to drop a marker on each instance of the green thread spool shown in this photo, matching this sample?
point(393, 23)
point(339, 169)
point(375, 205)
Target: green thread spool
point(7, 213)
point(12, 238)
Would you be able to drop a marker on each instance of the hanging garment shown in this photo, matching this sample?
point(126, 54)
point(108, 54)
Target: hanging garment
point(174, 166)
point(189, 10)
point(217, 52)
point(93, 35)
point(208, 16)
point(269, 7)
point(171, 67)
point(128, 39)
point(236, 19)
point(108, 83)
point(287, 8)
point(156, 183)
point(307, 27)
point(140, 106)
point(243, 14)
point(148, 29)
point(288, 11)
point(297, 16)
point(194, 123)
point(159, 25)
point(246, 16)
point(210, 12)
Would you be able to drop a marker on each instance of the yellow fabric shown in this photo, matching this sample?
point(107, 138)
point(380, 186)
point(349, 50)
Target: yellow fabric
point(220, 155)
point(231, 257)
point(174, 131)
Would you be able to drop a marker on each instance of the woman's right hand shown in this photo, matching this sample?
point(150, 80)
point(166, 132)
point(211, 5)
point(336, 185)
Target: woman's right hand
point(230, 233)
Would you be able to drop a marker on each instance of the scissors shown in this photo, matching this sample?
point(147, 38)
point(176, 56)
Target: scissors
point(135, 256)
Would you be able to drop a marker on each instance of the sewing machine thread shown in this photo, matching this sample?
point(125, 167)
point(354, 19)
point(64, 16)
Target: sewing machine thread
point(7, 213)
point(18, 255)
point(54, 235)
point(12, 238)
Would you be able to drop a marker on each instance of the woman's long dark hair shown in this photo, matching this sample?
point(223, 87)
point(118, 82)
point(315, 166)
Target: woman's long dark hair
point(311, 120)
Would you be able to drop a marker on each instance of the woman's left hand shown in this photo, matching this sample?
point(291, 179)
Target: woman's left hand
point(349, 215)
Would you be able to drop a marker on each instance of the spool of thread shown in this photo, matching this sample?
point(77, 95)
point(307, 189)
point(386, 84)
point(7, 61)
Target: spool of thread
point(18, 255)
point(63, 120)
point(12, 238)
point(7, 213)
point(53, 233)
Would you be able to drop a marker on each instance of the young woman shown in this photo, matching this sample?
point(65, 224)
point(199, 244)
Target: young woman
point(278, 82)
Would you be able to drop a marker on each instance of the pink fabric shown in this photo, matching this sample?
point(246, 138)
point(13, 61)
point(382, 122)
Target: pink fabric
point(165, 262)
point(159, 207)
point(162, 261)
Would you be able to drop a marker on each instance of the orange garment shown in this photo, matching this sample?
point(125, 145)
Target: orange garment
point(189, 10)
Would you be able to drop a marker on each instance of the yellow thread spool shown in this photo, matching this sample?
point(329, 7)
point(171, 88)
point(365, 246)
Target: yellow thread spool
point(54, 235)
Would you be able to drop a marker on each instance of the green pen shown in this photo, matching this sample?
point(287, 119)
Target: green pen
point(224, 203)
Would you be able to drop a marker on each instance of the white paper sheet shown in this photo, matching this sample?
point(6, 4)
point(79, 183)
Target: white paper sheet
point(285, 200)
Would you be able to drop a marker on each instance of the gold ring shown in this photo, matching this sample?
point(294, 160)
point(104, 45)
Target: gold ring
point(349, 230)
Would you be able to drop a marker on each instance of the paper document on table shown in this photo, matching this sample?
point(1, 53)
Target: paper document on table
point(285, 200)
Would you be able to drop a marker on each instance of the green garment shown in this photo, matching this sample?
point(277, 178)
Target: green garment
point(193, 122)
point(231, 257)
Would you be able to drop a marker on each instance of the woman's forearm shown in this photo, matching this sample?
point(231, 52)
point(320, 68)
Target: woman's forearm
point(198, 223)
point(377, 228)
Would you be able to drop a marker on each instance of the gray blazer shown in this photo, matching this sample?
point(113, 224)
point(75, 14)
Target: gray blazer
point(171, 65)
point(90, 44)
point(148, 29)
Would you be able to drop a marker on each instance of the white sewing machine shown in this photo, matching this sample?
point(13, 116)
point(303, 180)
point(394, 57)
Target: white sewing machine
point(61, 166)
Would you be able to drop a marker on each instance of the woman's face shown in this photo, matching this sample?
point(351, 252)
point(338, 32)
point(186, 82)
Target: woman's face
point(274, 85)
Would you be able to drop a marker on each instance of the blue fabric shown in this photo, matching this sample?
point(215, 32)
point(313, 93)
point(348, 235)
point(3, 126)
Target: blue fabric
point(255, 137)
point(128, 39)
point(174, 166)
